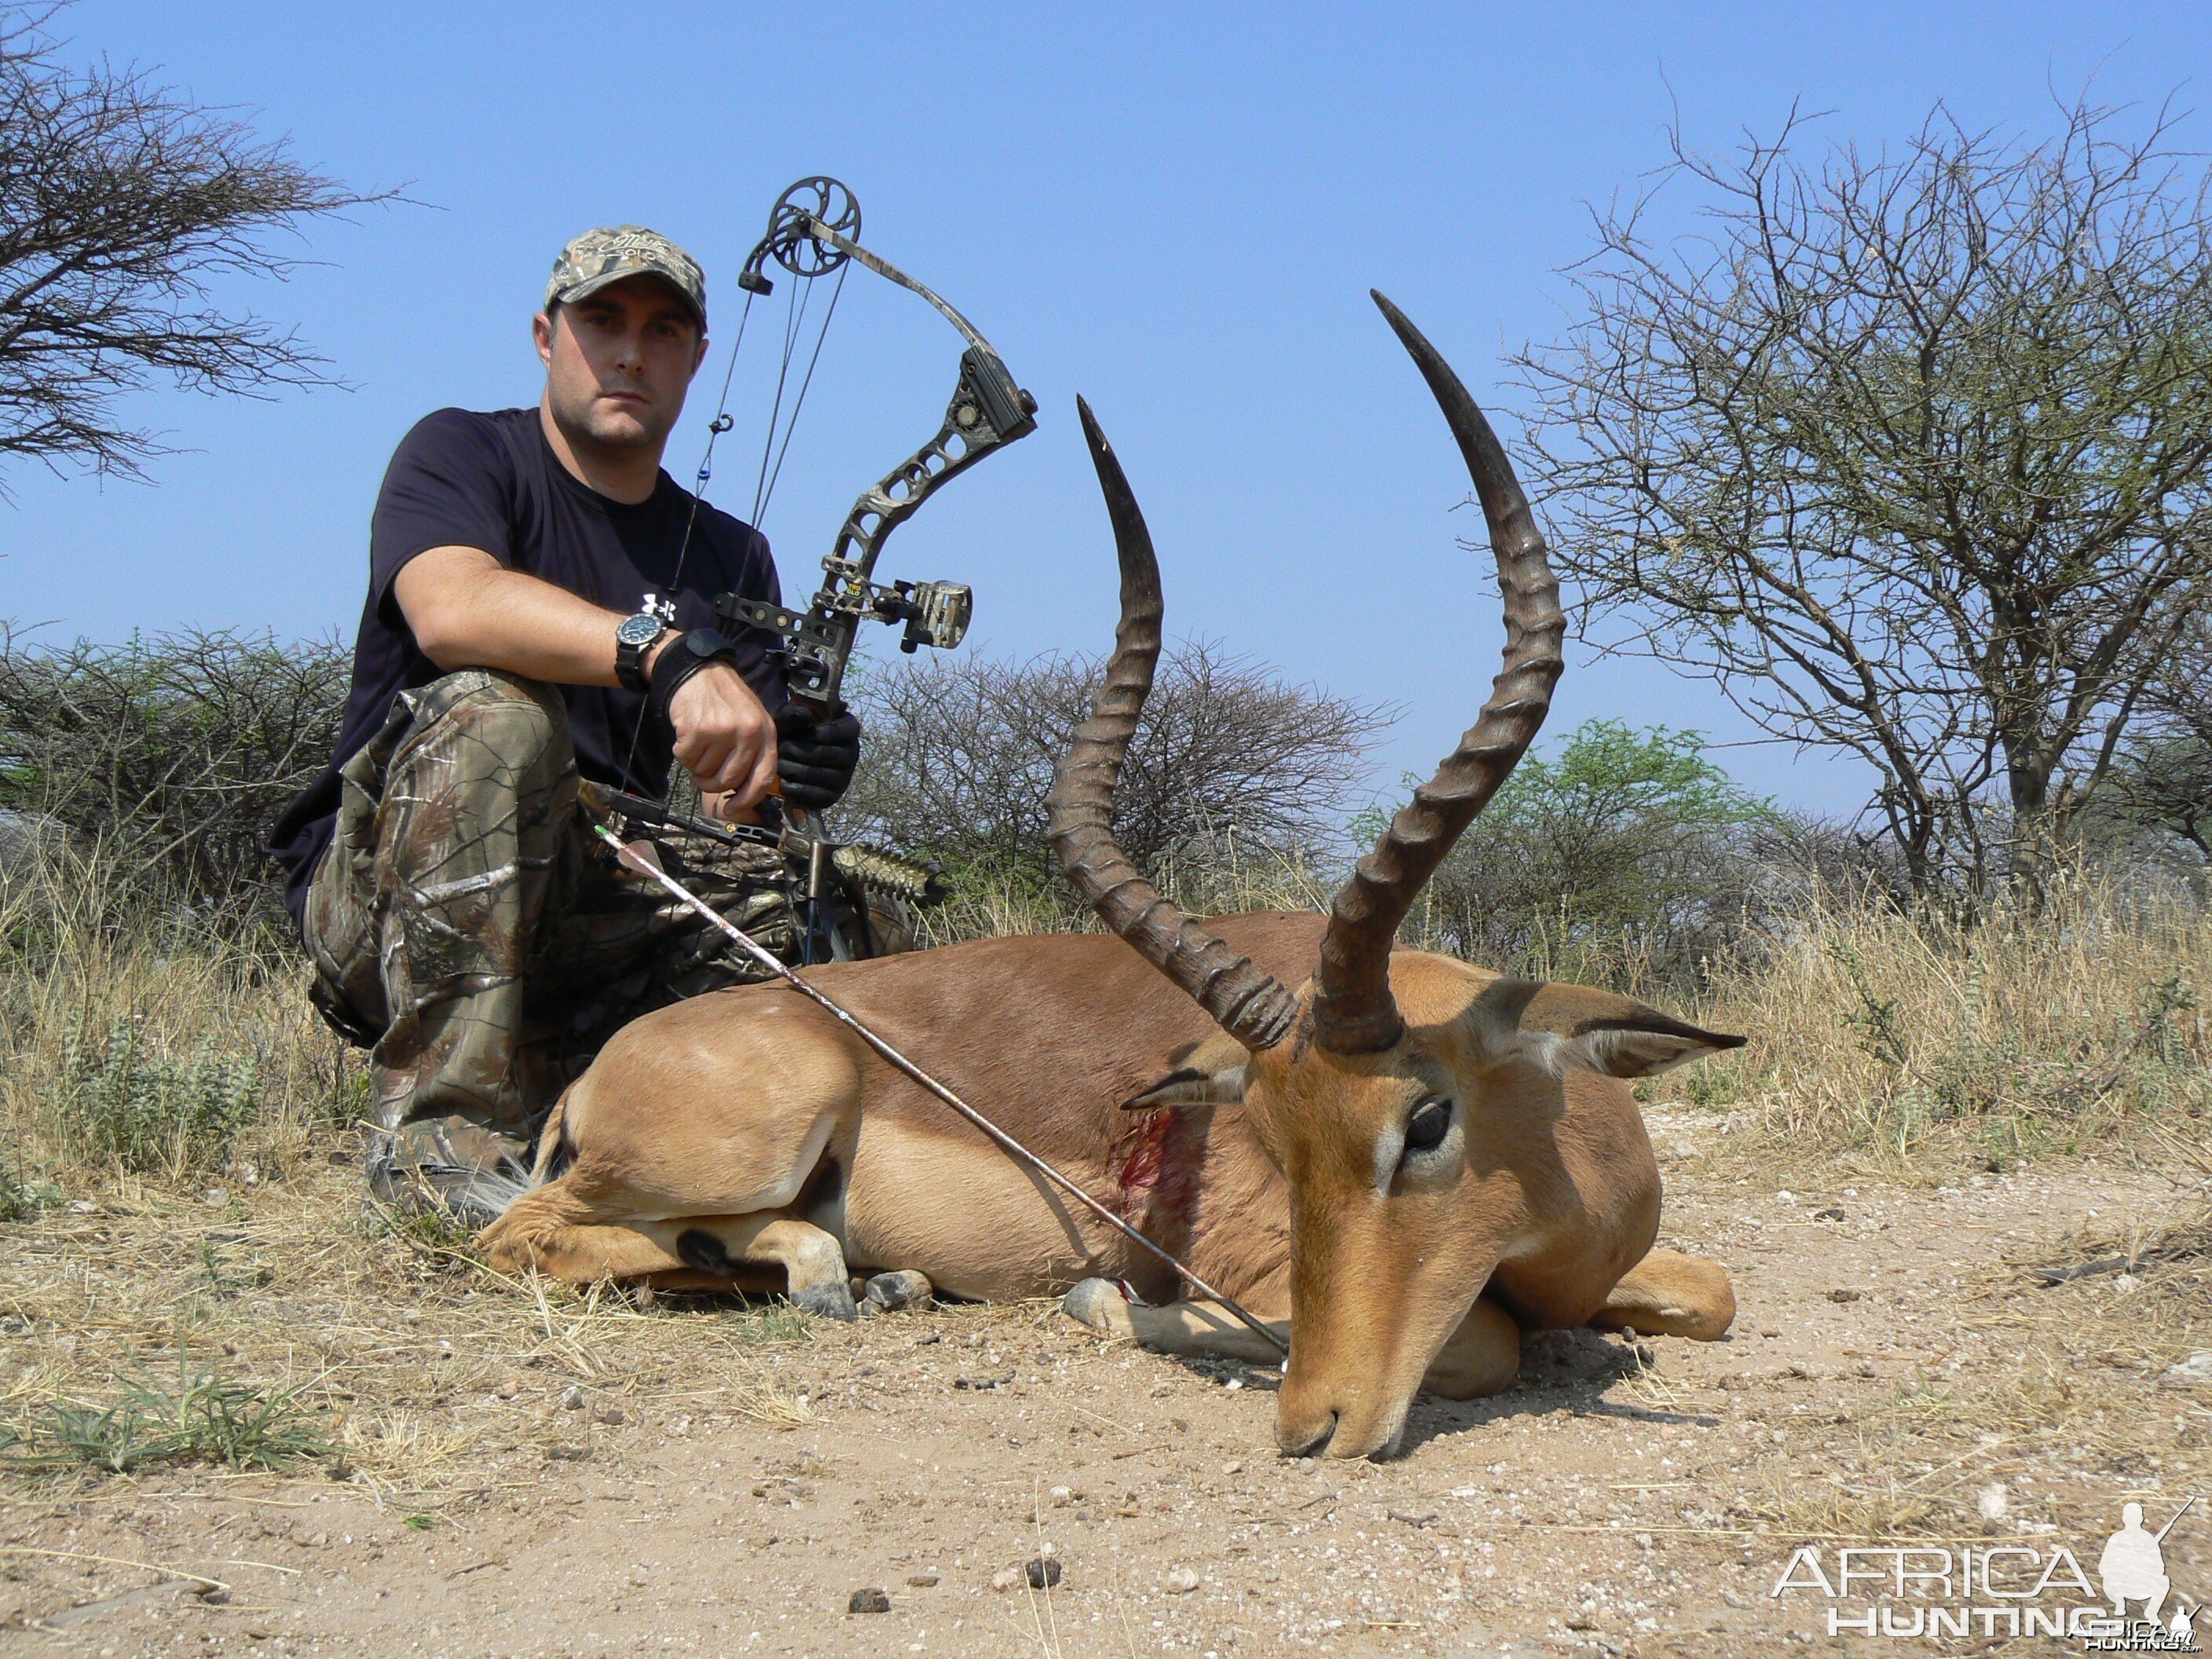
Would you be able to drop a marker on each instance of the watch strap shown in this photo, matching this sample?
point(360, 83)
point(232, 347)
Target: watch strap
point(630, 656)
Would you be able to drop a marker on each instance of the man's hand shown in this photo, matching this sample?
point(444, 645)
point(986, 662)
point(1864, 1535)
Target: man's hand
point(815, 758)
point(724, 737)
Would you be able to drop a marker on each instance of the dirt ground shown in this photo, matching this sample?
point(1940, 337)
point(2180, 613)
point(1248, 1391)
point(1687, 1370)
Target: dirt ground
point(528, 1473)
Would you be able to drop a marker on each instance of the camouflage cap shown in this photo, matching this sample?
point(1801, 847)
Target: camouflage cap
point(598, 257)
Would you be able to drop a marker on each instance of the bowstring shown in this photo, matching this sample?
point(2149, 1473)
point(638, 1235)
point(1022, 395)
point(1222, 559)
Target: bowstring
point(715, 428)
point(760, 505)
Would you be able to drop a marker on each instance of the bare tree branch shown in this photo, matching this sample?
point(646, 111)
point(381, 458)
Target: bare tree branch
point(1911, 454)
point(961, 750)
point(121, 204)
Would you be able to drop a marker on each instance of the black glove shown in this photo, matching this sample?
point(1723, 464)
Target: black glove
point(815, 760)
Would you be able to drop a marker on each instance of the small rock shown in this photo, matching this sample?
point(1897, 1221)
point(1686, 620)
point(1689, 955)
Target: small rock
point(569, 1453)
point(1180, 1581)
point(1233, 1466)
point(982, 1383)
point(1414, 1518)
point(84, 1206)
point(1061, 1495)
point(868, 1601)
point(922, 1580)
point(214, 1595)
point(1831, 1214)
point(1785, 1197)
point(2194, 1372)
point(1006, 1578)
point(507, 1388)
point(2126, 1285)
point(1843, 1296)
point(573, 1400)
point(1042, 1571)
point(214, 1198)
point(1993, 1503)
point(612, 1417)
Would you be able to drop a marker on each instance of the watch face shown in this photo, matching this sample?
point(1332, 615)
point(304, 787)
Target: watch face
point(639, 630)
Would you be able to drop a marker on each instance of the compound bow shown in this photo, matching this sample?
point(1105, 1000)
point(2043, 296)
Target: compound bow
point(812, 231)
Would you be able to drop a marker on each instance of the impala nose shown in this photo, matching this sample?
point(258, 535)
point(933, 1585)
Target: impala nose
point(1310, 1441)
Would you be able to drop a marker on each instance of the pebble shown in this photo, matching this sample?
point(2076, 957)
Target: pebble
point(869, 1601)
point(1006, 1578)
point(1061, 1494)
point(612, 1417)
point(1042, 1571)
point(1180, 1581)
point(2194, 1372)
point(921, 1580)
point(573, 1400)
point(1843, 1296)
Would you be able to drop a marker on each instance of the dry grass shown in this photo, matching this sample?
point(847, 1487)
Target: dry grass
point(224, 1235)
point(992, 904)
point(1919, 1043)
point(139, 1040)
point(2073, 1402)
point(428, 1375)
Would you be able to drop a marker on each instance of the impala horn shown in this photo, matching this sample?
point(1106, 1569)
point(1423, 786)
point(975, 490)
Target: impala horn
point(1353, 1010)
point(1254, 1007)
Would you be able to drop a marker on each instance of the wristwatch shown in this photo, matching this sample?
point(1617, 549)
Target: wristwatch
point(632, 640)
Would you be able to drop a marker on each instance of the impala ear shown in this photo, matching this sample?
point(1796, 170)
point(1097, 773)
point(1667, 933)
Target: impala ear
point(1642, 1045)
point(1211, 1075)
point(1565, 1027)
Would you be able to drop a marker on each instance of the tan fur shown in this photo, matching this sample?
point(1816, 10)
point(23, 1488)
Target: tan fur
point(753, 1117)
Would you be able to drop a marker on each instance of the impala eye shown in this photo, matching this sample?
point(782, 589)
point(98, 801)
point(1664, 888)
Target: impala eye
point(1429, 1123)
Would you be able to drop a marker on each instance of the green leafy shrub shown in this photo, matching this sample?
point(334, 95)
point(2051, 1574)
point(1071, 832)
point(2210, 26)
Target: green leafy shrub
point(205, 1419)
point(144, 1112)
point(1621, 854)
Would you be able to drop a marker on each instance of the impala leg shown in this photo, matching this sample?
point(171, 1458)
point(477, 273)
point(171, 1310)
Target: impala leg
point(1482, 1356)
point(812, 1261)
point(1670, 1294)
point(1195, 1330)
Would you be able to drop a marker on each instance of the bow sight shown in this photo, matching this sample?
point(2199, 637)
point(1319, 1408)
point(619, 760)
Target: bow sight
point(813, 232)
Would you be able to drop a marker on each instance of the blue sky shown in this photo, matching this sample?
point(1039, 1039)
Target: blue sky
point(1175, 210)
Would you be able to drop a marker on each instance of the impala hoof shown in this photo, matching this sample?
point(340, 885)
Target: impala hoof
point(1099, 1305)
point(889, 1293)
point(828, 1302)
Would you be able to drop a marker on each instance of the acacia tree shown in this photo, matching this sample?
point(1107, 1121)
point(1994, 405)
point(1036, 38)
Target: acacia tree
point(2163, 782)
point(1909, 453)
point(121, 203)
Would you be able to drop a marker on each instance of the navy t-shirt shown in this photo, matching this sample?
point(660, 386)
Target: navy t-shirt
point(462, 479)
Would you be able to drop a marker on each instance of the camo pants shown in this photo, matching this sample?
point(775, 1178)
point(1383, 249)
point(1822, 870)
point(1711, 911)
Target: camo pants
point(467, 921)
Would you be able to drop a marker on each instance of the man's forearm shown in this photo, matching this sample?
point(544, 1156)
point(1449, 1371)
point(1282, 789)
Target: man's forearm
point(467, 610)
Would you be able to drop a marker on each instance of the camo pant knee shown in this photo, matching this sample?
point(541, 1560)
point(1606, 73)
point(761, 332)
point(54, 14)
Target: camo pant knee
point(468, 920)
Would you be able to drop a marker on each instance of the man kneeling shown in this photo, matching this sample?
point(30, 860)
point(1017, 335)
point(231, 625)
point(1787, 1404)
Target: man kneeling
point(540, 609)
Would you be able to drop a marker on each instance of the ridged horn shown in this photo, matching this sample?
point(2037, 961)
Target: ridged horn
point(1354, 1011)
point(1254, 1007)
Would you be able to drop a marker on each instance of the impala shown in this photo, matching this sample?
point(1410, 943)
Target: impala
point(1408, 1159)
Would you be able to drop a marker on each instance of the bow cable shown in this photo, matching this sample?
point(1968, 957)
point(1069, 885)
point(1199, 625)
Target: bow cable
point(715, 428)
